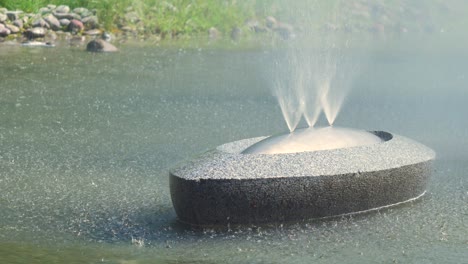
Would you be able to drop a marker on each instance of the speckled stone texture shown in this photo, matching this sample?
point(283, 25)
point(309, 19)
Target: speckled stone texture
point(224, 186)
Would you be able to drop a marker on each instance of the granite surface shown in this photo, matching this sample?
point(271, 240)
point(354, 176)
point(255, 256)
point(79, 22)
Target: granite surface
point(227, 162)
point(224, 186)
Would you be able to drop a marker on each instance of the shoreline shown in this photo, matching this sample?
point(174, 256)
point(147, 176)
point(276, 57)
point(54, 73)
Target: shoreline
point(53, 24)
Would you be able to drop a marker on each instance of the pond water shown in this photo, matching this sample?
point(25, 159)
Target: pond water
point(86, 142)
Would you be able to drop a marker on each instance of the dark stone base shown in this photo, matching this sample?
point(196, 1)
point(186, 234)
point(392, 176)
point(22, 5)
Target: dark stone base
point(258, 198)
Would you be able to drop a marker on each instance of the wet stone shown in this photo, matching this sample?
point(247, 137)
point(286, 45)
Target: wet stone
point(4, 32)
point(52, 21)
point(40, 22)
point(19, 23)
point(91, 22)
point(75, 26)
point(3, 17)
point(63, 9)
point(44, 10)
point(87, 14)
point(13, 15)
point(99, 45)
point(64, 22)
point(93, 32)
point(37, 32)
point(69, 16)
point(80, 10)
point(13, 29)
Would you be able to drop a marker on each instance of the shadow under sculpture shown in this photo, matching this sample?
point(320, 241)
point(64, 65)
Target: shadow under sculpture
point(238, 184)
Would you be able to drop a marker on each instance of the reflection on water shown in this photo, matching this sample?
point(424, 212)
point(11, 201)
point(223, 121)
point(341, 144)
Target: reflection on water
point(86, 141)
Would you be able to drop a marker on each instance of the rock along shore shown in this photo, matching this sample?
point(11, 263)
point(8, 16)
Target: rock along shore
point(51, 22)
point(80, 26)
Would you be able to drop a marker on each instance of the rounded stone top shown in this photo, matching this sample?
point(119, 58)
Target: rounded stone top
point(228, 162)
point(313, 139)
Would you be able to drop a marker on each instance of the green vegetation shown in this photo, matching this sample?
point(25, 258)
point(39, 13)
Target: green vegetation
point(172, 16)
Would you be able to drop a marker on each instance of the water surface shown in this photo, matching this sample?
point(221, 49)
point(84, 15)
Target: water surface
point(86, 142)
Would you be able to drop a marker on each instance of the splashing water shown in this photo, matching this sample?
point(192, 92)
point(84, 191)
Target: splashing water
point(290, 90)
point(310, 81)
point(315, 74)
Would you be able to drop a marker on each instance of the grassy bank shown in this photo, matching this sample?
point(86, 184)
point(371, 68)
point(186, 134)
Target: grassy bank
point(195, 16)
point(184, 16)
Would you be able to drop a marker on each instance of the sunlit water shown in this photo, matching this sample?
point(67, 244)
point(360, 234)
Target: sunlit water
point(86, 142)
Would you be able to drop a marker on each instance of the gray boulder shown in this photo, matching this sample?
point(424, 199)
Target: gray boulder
point(91, 22)
point(19, 23)
point(80, 10)
point(51, 7)
point(13, 29)
point(53, 22)
point(62, 9)
point(3, 10)
point(36, 32)
point(92, 32)
point(83, 12)
point(44, 10)
point(68, 16)
point(64, 22)
point(3, 17)
point(4, 32)
point(99, 45)
point(13, 15)
point(39, 22)
point(87, 14)
point(75, 26)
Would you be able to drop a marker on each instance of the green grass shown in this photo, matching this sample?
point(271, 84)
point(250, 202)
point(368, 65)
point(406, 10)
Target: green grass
point(174, 17)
